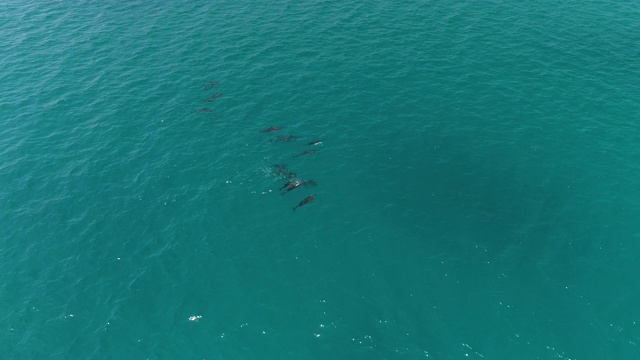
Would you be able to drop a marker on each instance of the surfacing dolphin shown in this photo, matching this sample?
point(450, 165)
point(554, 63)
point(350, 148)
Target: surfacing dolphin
point(306, 200)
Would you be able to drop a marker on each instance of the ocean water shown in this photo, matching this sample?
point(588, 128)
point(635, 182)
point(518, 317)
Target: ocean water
point(478, 180)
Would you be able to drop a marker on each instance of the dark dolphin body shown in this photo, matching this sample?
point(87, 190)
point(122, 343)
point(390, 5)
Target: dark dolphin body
point(294, 184)
point(281, 169)
point(211, 84)
point(315, 142)
point(306, 200)
point(213, 97)
point(285, 138)
point(271, 129)
point(305, 153)
point(289, 183)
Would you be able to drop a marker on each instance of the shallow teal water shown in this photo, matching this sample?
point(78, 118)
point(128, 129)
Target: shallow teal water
point(477, 195)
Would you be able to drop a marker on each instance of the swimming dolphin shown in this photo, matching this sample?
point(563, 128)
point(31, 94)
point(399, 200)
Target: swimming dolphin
point(294, 184)
point(290, 182)
point(281, 169)
point(285, 138)
point(213, 97)
point(211, 84)
point(271, 129)
point(315, 142)
point(305, 153)
point(306, 200)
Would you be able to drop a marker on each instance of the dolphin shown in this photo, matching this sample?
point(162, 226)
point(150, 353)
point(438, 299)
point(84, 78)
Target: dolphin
point(294, 184)
point(213, 97)
point(285, 138)
point(281, 169)
point(289, 183)
point(305, 153)
point(306, 200)
point(271, 129)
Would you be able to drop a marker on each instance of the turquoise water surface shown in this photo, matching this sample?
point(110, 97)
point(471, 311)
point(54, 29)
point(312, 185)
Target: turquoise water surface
point(477, 182)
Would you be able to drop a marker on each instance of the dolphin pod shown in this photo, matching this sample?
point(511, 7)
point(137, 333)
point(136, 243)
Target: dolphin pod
point(210, 98)
point(281, 170)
